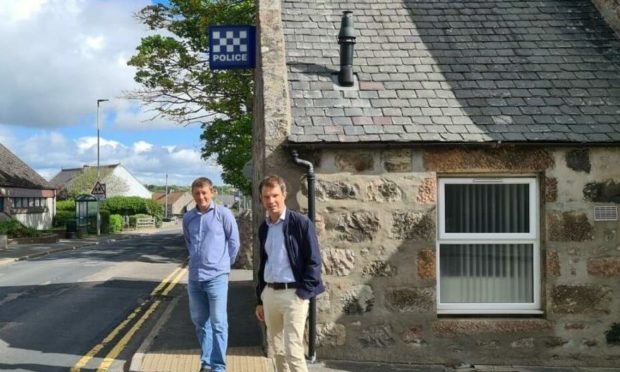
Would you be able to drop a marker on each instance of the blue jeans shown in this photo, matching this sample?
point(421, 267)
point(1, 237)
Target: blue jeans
point(207, 307)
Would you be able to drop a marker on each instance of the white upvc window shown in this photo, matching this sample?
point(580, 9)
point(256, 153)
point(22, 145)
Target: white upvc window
point(488, 246)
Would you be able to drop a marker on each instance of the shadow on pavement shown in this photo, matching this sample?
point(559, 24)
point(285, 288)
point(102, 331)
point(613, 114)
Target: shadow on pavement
point(244, 330)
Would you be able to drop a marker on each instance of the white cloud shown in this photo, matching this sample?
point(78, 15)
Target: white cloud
point(16, 11)
point(48, 152)
point(90, 45)
point(142, 146)
point(7, 138)
point(130, 117)
point(61, 56)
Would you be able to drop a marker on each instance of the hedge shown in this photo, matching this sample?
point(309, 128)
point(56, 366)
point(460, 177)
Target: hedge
point(65, 205)
point(132, 205)
point(116, 223)
point(62, 217)
point(14, 229)
point(105, 221)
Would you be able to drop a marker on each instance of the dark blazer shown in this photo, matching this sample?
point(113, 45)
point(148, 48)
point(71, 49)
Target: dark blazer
point(304, 256)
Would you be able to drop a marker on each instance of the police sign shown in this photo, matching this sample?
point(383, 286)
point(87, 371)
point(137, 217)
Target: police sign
point(232, 47)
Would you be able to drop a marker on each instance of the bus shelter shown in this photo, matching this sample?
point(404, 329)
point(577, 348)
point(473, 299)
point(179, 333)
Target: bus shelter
point(86, 209)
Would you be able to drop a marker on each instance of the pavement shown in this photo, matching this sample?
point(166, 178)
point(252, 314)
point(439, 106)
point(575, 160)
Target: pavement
point(171, 344)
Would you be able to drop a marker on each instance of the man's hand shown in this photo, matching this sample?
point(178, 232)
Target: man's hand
point(260, 314)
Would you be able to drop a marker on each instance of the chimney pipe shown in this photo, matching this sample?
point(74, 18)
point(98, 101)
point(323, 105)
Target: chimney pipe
point(346, 39)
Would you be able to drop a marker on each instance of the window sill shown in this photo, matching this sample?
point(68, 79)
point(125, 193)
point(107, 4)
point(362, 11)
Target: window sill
point(34, 210)
point(489, 312)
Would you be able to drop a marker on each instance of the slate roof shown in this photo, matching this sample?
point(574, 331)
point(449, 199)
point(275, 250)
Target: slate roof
point(455, 71)
point(15, 173)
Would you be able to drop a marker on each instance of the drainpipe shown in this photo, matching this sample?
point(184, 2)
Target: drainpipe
point(346, 39)
point(311, 215)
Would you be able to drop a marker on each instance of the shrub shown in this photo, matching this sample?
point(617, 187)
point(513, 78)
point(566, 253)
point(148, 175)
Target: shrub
point(65, 205)
point(105, 221)
point(62, 217)
point(14, 229)
point(131, 205)
point(116, 223)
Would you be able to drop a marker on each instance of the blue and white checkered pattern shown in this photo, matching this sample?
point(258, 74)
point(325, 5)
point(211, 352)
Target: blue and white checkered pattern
point(230, 42)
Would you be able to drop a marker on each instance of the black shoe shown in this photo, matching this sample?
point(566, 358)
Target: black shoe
point(205, 369)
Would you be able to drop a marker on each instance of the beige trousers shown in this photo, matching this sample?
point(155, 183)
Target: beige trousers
point(285, 317)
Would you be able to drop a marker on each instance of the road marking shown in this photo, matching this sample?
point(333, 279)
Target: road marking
point(97, 348)
point(122, 343)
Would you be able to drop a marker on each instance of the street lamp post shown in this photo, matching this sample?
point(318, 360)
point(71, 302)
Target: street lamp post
point(98, 174)
point(98, 102)
point(166, 204)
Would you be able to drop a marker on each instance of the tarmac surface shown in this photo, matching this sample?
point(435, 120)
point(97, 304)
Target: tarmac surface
point(171, 345)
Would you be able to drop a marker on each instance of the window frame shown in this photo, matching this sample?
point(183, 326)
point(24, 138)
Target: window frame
point(532, 237)
point(26, 205)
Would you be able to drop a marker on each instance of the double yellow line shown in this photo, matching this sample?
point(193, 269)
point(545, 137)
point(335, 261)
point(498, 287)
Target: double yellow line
point(162, 289)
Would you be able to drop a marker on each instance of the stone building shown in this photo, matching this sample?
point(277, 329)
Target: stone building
point(467, 184)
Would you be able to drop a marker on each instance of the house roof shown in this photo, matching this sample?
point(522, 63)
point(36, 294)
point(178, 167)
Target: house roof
point(454, 71)
point(173, 197)
point(228, 200)
point(65, 176)
point(15, 173)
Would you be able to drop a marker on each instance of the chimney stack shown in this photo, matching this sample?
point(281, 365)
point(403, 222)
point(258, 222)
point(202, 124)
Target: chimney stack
point(346, 39)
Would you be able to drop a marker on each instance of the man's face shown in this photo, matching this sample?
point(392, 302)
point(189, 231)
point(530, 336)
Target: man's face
point(272, 199)
point(202, 196)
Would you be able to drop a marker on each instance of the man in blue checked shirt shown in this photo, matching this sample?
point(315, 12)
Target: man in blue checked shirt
point(212, 239)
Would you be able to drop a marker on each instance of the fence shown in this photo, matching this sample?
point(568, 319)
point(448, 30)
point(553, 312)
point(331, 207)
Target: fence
point(145, 222)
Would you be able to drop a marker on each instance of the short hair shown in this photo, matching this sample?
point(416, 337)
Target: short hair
point(272, 181)
point(201, 182)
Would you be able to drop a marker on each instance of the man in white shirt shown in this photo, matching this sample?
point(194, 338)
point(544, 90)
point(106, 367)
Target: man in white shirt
point(288, 276)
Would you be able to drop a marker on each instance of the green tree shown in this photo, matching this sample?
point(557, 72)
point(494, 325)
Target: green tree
point(171, 188)
point(85, 181)
point(176, 82)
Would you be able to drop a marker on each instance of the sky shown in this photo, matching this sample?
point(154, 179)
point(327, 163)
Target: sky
point(58, 58)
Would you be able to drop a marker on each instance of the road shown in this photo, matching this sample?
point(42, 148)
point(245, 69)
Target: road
point(86, 309)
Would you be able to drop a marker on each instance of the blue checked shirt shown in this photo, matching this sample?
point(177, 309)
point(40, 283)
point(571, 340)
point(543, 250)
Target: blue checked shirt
point(212, 239)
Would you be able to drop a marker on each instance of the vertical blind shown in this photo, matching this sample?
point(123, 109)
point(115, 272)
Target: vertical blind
point(483, 271)
point(495, 208)
point(476, 273)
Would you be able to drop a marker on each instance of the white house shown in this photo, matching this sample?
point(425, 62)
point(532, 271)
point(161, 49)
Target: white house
point(119, 181)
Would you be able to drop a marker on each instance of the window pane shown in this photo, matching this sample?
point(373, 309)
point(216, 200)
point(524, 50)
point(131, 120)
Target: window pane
point(495, 208)
point(486, 273)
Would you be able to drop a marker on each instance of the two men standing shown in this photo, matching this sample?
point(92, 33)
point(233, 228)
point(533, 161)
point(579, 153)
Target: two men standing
point(289, 273)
